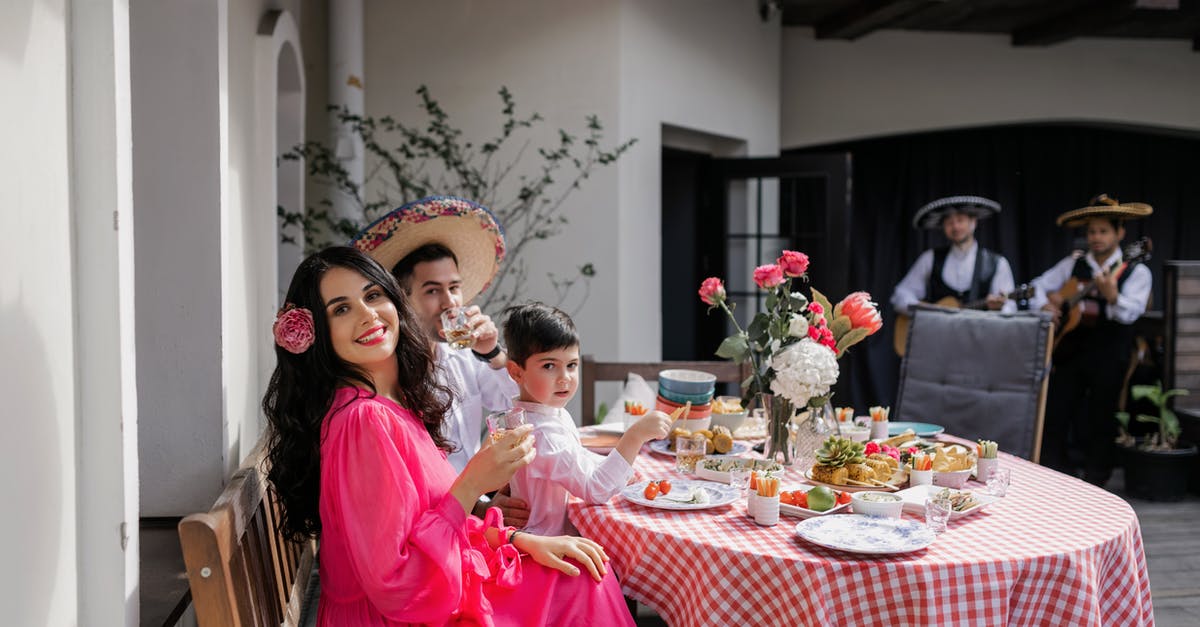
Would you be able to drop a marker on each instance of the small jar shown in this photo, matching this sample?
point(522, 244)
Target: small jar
point(767, 513)
point(879, 430)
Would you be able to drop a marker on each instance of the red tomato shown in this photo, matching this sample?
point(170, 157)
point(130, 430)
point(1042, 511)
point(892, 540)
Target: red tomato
point(664, 487)
point(801, 499)
point(843, 498)
point(787, 498)
point(651, 491)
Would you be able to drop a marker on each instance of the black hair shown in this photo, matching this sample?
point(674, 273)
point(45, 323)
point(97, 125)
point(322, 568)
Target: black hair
point(302, 386)
point(403, 269)
point(536, 328)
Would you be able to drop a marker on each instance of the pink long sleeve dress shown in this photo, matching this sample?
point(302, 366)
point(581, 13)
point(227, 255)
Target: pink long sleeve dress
point(397, 548)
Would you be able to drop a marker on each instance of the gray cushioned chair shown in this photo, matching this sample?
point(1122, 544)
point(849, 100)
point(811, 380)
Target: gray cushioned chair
point(982, 375)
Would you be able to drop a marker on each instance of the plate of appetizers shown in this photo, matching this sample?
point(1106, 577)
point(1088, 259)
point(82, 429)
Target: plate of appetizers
point(794, 510)
point(717, 468)
point(682, 494)
point(963, 502)
point(662, 447)
point(879, 486)
point(873, 535)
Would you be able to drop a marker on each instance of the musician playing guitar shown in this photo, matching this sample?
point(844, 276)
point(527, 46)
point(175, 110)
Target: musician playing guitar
point(963, 270)
point(1090, 358)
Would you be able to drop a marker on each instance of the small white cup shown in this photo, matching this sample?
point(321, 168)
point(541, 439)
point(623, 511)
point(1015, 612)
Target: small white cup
point(752, 504)
point(984, 467)
point(767, 513)
point(879, 430)
point(920, 477)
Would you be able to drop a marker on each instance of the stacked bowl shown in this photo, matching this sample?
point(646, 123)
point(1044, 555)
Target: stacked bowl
point(678, 387)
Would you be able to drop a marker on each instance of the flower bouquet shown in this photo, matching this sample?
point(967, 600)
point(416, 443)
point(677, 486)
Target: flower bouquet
point(793, 344)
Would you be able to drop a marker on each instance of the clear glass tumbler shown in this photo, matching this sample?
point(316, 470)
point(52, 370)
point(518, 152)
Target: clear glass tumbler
point(937, 513)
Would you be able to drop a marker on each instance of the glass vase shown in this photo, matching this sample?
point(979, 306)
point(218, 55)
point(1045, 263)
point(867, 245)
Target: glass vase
point(779, 412)
point(812, 427)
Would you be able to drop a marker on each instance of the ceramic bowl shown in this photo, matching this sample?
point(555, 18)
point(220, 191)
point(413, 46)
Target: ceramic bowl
point(681, 398)
point(687, 381)
point(884, 504)
point(729, 421)
point(954, 479)
point(692, 425)
point(697, 411)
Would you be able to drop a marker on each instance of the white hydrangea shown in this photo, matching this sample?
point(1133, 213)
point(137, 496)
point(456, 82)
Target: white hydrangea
point(803, 370)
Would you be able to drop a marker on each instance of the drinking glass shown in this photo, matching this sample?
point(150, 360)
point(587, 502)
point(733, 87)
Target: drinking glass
point(499, 422)
point(457, 328)
point(688, 451)
point(997, 484)
point(937, 512)
point(739, 478)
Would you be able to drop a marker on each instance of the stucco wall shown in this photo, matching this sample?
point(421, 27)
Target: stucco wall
point(898, 82)
point(37, 378)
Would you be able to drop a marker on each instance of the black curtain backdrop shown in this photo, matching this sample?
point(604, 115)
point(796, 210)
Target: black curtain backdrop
point(1035, 172)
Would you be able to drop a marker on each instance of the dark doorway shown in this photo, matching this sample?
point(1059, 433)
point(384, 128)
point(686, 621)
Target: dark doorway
point(692, 248)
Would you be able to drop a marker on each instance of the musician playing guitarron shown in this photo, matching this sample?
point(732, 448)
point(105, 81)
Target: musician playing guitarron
point(960, 274)
point(1091, 350)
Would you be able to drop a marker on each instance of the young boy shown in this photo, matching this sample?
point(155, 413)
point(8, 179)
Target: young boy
point(543, 358)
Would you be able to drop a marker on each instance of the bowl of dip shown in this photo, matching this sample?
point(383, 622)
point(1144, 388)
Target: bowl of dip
point(882, 504)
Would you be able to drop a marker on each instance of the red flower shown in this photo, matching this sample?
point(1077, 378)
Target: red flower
point(814, 333)
point(712, 291)
point(768, 276)
point(871, 448)
point(816, 308)
point(862, 312)
point(293, 329)
point(794, 264)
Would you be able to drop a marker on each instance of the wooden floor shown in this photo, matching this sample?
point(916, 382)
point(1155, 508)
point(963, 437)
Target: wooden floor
point(1170, 533)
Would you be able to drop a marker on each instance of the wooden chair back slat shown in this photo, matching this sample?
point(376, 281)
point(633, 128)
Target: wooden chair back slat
point(242, 570)
point(593, 371)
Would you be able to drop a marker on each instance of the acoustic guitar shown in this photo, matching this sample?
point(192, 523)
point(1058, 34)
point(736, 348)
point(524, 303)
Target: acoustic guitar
point(900, 339)
point(1077, 309)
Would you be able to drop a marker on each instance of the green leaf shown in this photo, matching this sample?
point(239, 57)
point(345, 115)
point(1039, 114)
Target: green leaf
point(734, 347)
point(850, 339)
point(820, 299)
point(758, 328)
point(1123, 418)
point(601, 413)
point(772, 300)
point(840, 326)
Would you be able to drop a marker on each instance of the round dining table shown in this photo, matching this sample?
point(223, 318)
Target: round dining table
point(1054, 551)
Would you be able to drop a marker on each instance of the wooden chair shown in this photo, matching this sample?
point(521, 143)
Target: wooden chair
point(593, 371)
point(241, 569)
point(980, 375)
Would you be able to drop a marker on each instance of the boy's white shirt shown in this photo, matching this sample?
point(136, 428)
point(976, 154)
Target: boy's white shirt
point(476, 386)
point(562, 467)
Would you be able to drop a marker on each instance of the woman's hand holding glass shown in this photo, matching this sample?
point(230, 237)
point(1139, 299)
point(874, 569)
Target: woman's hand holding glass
point(494, 465)
point(553, 551)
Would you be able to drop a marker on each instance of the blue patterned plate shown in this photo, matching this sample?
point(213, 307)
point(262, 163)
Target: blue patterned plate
point(866, 534)
point(714, 495)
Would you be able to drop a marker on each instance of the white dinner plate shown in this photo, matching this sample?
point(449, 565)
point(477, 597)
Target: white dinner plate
point(866, 534)
point(914, 499)
point(704, 471)
point(851, 488)
point(739, 448)
point(718, 495)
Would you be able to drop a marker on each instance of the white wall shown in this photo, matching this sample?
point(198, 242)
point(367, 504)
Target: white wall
point(710, 65)
point(900, 82)
point(37, 379)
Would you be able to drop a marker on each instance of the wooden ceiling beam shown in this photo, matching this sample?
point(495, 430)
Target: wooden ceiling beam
point(1079, 22)
point(866, 16)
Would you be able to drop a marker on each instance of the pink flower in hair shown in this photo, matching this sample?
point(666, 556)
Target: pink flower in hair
point(294, 330)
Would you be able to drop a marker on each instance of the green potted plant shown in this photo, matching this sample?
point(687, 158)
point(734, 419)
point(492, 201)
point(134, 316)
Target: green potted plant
point(1156, 465)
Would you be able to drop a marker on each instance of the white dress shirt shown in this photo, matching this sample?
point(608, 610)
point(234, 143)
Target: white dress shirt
point(563, 467)
point(1132, 298)
point(477, 388)
point(957, 273)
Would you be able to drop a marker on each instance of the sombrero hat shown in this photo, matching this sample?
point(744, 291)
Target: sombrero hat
point(1104, 207)
point(470, 230)
point(930, 216)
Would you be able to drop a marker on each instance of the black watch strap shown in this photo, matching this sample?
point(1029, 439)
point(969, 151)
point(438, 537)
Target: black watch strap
point(488, 356)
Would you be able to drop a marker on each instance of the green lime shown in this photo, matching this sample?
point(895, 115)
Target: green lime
point(821, 499)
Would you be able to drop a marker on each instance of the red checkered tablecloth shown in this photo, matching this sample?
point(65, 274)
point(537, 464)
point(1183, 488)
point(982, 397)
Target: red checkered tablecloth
point(1055, 551)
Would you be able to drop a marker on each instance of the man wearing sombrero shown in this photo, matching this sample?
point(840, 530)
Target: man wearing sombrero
point(445, 251)
point(1090, 362)
point(963, 269)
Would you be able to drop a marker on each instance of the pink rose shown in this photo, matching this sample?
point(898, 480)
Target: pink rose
point(862, 312)
point(768, 276)
point(294, 330)
point(712, 291)
point(794, 264)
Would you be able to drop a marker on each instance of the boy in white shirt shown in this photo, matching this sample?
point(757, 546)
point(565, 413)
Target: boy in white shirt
point(543, 358)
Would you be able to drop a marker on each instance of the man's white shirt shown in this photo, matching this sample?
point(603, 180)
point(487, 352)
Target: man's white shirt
point(1132, 298)
point(477, 388)
point(957, 273)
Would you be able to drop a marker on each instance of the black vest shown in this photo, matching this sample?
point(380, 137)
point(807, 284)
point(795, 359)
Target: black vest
point(981, 280)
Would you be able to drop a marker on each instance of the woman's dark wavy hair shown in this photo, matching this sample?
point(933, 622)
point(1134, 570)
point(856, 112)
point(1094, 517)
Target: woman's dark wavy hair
point(302, 387)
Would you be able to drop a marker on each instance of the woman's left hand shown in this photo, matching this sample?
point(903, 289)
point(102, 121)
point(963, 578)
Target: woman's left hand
point(552, 551)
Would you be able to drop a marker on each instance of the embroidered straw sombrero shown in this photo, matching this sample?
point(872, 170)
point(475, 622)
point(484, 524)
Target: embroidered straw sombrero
point(1104, 207)
point(468, 229)
point(930, 216)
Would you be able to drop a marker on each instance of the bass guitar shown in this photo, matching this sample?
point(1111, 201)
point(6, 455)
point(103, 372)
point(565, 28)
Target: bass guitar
point(1077, 308)
point(900, 339)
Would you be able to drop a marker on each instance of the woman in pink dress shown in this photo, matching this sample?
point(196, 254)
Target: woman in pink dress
point(358, 459)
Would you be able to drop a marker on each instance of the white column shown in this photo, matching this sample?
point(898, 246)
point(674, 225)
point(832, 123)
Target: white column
point(346, 84)
point(106, 396)
point(180, 163)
